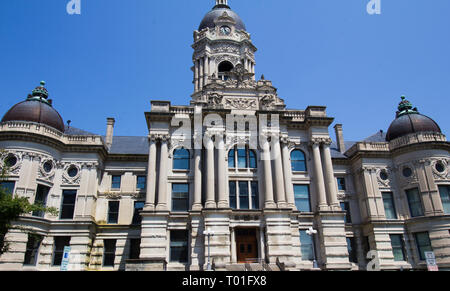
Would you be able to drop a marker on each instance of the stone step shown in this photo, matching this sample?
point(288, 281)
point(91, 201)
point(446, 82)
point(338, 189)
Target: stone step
point(235, 268)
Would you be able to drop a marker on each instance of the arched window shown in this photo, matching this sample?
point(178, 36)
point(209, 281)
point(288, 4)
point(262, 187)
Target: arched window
point(244, 158)
point(224, 68)
point(298, 161)
point(181, 159)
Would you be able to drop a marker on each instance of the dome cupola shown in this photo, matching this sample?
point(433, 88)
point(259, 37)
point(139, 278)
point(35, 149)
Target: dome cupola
point(221, 7)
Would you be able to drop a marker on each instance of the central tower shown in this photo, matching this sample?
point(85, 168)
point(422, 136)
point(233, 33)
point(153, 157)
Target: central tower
point(221, 46)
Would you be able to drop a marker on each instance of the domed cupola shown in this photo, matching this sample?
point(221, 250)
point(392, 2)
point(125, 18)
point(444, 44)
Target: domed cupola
point(409, 120)
point(36, 108)
point(221, 7)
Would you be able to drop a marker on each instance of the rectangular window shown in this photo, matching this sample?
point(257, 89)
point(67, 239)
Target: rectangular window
point(8, 186)
point(445, 198)
point(345, 206)
point(137, 218)
point(242, 158)
point(351, 246)
point(255, 195)
point(233, 201)
point(389, 205)
point(302, 200)
point(58, 249)
point(243, 195)
point(179, 246)
point(341, 184)
point(116, 182)
point(41, 199)
point(113, 212)
point(306, 246)
point(109, 252)
point(423, 244)
point(32, 251)
point(180, 197)
point(398, 247)
point(141, 182)
point(135, 248)
point(68, 204)
point(415, 203)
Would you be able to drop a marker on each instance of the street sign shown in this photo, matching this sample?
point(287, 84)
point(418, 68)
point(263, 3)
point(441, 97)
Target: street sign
point(65, 259)
point(431, 262)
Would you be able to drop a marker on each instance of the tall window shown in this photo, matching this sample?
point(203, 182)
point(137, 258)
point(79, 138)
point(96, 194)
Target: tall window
point(244, 158)
point(423, 244)
point(141, 182)
point(179, 246)
point(180, 197)
point(389, 205)
point(113, 212)
point(8, 186)
point(398, 247)
point(351, 247)
point(58, 250)
point(306, 246)
point(244, 194)
point(445, 198)
point(41, 199)
point(32, 251)
point(135, 248)
point(298, 161)
point(302, 198)
point(181, 159)
point(109, 252)
point(68, 204)
point(341, 184)
point(116, 182)
point(415, 203)
point(137, 218)
point(345, 206)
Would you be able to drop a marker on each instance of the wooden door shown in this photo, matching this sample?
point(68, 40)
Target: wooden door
point(246, 245)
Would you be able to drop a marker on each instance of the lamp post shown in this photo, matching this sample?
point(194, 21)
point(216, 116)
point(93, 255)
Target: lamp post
point(311, 232)
point(208, 233)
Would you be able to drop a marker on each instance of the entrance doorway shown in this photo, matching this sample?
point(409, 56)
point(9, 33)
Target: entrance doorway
point(246, 245)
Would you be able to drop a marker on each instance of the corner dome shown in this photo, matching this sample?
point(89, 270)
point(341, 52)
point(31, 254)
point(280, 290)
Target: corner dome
point(216, 12)
point(36, 108)
point(410, 121)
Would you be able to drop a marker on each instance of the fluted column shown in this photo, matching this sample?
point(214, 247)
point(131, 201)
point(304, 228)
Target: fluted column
point(210, 177)
point(162, 186)
point(151, 176)
point(221, 174)
point(197, 205)
point(289, 187)
point(269, 202)
point(318, 172)
point(278, 175)
point(330, 184)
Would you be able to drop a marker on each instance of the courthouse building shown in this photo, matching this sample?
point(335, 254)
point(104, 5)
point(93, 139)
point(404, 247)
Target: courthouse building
point(267, 183)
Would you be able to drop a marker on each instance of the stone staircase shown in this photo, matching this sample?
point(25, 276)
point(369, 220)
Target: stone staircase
point(253, 267)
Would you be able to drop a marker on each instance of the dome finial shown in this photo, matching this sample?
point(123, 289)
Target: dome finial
point(42, 83)
point(221, 4)
point(405, 107)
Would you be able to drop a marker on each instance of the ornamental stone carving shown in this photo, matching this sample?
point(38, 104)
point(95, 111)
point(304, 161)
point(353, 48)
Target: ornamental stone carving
point(66, 178)
point(241, 103)
point(440, 168)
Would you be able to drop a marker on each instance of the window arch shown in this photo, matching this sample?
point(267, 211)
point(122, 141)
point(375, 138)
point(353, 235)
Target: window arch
point(181, 159)
point(242, 158)
point(298, 161)
point(224, 68)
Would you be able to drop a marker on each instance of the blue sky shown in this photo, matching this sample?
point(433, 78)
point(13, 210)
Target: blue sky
point(116, 56)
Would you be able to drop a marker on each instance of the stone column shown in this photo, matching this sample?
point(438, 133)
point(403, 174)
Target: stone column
point(289, 187)
point(329, 178)
point(162, 186)
point(151, 176)
point(233, 246)
point(197, 205)
point(206, 71)
point(201, 74)
point(210, 179)
point(196, 75)
point(279, 177)
point(269, 202)
point(221, 175)
point(318, 173)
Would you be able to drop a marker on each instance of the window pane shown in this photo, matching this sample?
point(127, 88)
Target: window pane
point(415, 203)
point(302, 201)
point(389, 206)
point(232, 188)
point(113, 212)
point(298, 161)
point(243, 195)
point(445, 198)
point(423, 244)
point(8, 186)
point(141, 182)
point(231, 159)
point(255, 195)
point(109, 252)
point(68, 204)
point(252, 159)
point(352, 250)
point(397, 247)
point(58, 249)
point(341, 184)
point(242, 159)
point(181, 159)
point(137, 218)
point(179, 246)
point(41, 199)
point(116, 181)
point(345, 206)
point(306, 245)
point(180, 197)
point(32, 250)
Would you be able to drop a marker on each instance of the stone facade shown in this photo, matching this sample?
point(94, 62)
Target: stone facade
point(242, 178)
